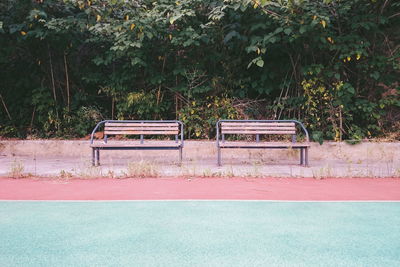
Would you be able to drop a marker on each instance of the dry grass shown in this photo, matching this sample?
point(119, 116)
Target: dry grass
point(65, 174)
point(17, 169)
point(142, 169)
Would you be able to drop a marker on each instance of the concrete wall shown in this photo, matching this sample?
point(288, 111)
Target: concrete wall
point(372, 151)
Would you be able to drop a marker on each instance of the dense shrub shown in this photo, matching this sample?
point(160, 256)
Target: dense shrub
point(332, 64)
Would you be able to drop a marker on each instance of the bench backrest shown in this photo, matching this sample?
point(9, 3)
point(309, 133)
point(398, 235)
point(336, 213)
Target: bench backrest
point(258, 128)
point(133, 127)
point(141, 128)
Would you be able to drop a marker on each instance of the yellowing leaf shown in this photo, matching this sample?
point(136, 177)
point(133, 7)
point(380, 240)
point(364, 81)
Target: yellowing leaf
point(348, 58)
point(23, 33)
point(98, 18)
point(170, 36)
point(323, 23)
point(198, 134)
point(133, 26)
point(330, 40)
point(258, 51)
point(127, 17)
point(358, 57)
point(255, 5)
point(260, 63)
point(314, 17)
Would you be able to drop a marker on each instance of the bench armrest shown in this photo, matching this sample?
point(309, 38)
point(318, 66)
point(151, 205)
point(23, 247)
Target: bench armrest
point(95, 129)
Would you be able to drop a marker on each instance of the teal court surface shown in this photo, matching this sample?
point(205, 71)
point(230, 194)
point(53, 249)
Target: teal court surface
point(199, 233)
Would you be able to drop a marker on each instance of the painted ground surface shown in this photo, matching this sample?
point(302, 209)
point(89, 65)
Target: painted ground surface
point(200, 222)
point(199, 233)
point(201, 188)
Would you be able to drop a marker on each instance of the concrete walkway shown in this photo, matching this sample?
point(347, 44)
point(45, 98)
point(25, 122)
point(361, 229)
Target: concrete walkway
point(67, 158)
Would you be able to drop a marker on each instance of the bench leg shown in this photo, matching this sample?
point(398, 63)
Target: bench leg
point(93, 157)
point(219, 156)
point(180, 156)
point(306, 157)
point(97, 157)
point(301, 156)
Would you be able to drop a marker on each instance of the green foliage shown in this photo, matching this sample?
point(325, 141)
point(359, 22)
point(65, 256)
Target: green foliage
point(200, 117)
point(332, 64)
point(81, 122)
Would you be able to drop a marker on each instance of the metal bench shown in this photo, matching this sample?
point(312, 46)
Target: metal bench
point(261, 127)
point(136, 127)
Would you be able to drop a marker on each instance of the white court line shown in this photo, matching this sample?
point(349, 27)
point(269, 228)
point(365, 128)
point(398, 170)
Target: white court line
point(210, 200)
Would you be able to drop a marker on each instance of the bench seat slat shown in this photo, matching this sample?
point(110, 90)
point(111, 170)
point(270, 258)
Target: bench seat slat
point(259, 128)
point(116, 145)
point(244, 124)
point(238, 144)
point(167, 132)
point(256, 132)
point(147, 124)
point(140, 128)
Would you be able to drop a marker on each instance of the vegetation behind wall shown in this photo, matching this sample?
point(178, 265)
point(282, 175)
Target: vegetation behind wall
point(332, 64)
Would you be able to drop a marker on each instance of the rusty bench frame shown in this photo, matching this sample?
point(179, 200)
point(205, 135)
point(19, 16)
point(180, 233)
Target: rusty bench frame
point(303, 147)
point(97, 147)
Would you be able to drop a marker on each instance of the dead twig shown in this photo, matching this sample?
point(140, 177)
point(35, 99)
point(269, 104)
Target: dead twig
point(5, 107)
point(67, 79)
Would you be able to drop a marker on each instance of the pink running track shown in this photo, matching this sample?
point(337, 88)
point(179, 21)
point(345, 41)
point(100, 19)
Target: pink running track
point(296, 189)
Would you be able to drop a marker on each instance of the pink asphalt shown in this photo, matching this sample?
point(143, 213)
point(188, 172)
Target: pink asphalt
point(300, 189)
